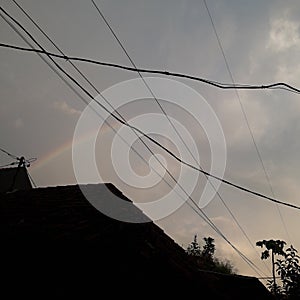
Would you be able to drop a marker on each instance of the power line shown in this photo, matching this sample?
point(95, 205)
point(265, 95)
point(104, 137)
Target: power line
point(81, 73)
point(70, 77)
point(244, 189)
point(162, 109)
point(268, 277)
point(9, 154)
point(141, 76)
point(91, 84)
point(220, 85)
point(77, 69)
point(41, 56)
point(169, 120)
point(245, 117)
point(144, 81)
point(43, 32)
point(98, 92)
point(65, 81)
point(55, 45)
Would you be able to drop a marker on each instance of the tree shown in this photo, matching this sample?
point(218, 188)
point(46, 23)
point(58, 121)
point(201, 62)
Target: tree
point(224, 266)
point(205, 258)
point(194, 248)
point(289, 271)
point(276, 248)
point(207, 254)
point(209, 248)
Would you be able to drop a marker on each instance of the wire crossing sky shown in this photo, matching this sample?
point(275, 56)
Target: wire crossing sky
point(202, 215)
point(176, 131)
point(227, 86)
point(185, 163)
point(247, 121)
point(261, 42)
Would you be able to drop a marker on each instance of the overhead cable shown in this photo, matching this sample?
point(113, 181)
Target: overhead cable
point(220, 85)
point(73, 80)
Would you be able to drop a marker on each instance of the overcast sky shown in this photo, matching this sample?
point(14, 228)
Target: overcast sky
point(261, 41)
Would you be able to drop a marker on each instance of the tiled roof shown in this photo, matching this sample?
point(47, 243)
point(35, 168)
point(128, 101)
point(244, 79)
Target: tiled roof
point(58, 213)
point(70, 247)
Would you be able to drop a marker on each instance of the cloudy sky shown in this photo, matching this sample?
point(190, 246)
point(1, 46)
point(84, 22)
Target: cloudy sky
point(261, 42)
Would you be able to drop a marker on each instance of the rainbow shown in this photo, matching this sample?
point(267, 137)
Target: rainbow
point(48, 157)
point(54, 153)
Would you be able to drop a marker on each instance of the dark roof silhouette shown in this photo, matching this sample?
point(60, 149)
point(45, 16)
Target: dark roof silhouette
point(54, 242)
point(14, 179)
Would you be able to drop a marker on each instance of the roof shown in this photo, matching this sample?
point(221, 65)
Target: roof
point(14, 179)
point(70, 247)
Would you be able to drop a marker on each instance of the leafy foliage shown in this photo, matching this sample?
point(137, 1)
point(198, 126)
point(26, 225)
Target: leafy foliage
point(194, 248)
point(275, 246)
point(209, 248)
point(275, 289)
point(289, 271)
point(205, 257)
point(224, 266)
point(287, 268)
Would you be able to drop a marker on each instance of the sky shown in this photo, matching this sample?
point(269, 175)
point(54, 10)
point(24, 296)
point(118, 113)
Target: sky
point(261, 43)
